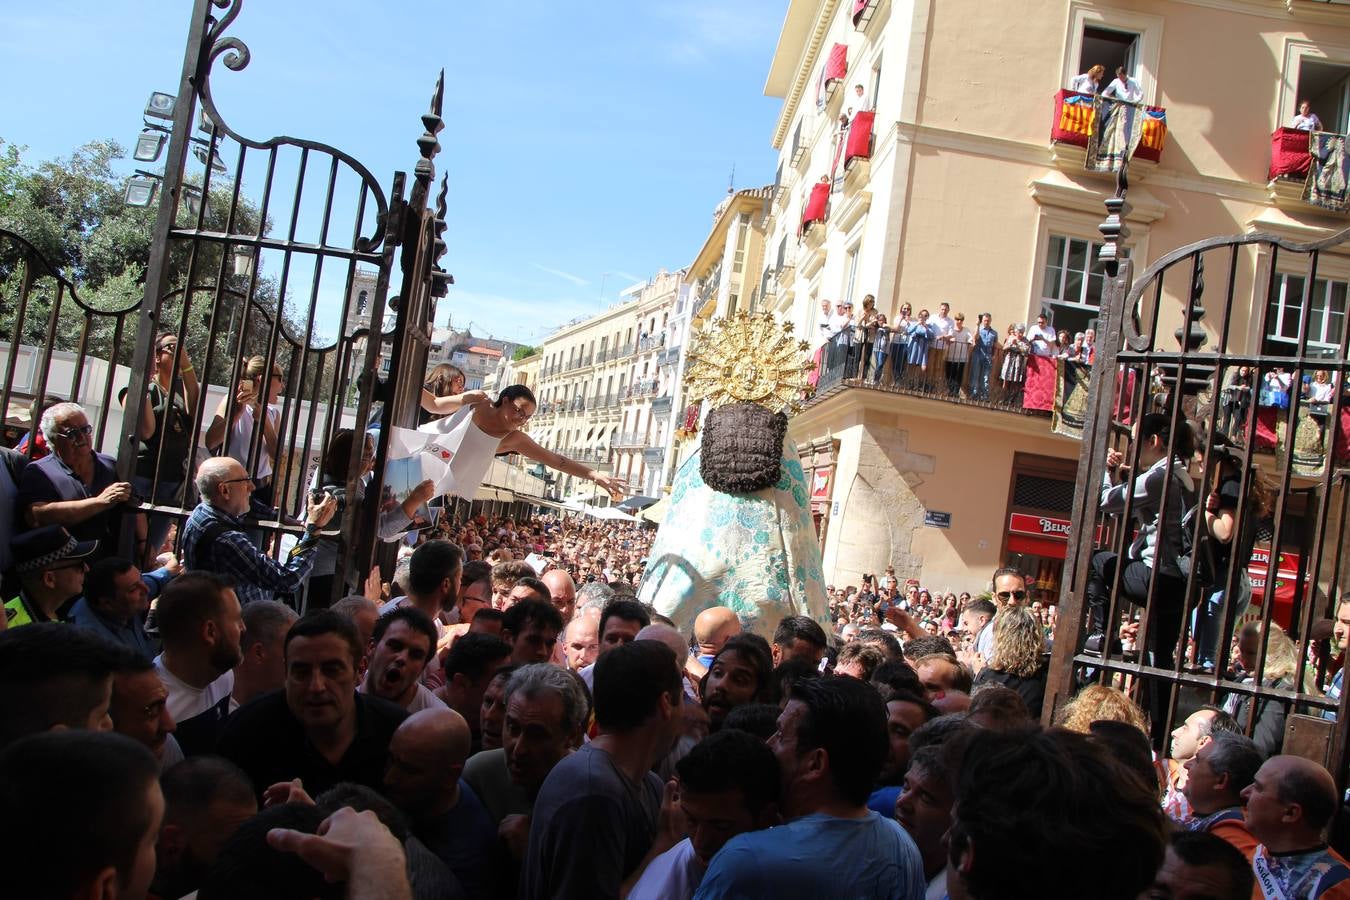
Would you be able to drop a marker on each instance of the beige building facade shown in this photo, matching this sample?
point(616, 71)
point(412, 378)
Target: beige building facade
point(950, 188)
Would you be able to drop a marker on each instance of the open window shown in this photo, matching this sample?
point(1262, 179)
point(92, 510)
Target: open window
point(1326, 311)
point(1111, 48)
point(1326, 86)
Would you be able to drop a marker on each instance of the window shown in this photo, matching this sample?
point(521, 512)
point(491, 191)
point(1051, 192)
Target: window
point(1110, 48)
point(1072, 284)
point(874, 89)
point(1326, 86)
point(732, 304)
point(851, 278)
point(1325, 310)
point(361, 300)
point(742, 238)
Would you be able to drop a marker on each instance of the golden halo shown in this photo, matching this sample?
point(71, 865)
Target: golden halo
point(748, 359)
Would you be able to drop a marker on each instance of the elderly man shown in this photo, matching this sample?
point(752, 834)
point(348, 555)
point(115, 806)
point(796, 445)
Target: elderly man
point(50, 564)
point(1289, 805)
point(116, 600)
point(319, 729)
point(215, 537)
point(73, 486)
point(426, 758)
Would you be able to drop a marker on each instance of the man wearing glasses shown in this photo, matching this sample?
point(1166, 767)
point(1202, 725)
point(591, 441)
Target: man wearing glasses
point(74, 486)
point(214, 537)
point(50, 564)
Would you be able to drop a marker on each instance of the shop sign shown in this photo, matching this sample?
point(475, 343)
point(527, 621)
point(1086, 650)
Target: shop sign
point(1039, 526)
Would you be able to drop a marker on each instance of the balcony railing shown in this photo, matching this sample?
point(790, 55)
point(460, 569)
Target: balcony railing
point(628, 439)
point(668, 356)
point(626, 350)
point(1023, 392)
point(661, 406)
point(651, 343)
point(1076, 118)
point(642, 388)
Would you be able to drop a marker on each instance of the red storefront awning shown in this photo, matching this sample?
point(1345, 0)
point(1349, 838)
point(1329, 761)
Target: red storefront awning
point(859, 137)
point(816, 204)
point(836, 66)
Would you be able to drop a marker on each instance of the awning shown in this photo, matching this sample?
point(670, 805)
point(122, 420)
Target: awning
point(607, 513)
point(637, 503)
point(505, 496)
point(656, 513)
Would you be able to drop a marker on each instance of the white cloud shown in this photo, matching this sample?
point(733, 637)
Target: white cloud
point(566, 276)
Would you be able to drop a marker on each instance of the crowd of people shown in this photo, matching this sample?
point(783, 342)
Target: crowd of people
point(938, 352)
point(511, 721)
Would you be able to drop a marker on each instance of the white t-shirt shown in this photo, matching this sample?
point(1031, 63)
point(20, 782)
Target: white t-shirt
point(422, 699)
point(674, 875)
point(239, 442)
point(185, 701)
point(1083, 84)
point(1127, 90)
point(943, 325)
point(1042, 348)
point(1310, 122)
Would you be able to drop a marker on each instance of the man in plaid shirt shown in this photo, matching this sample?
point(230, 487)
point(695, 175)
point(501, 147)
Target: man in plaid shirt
point(214, 537)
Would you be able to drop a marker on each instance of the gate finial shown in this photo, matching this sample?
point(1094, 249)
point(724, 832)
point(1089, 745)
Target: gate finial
point(1114, 229)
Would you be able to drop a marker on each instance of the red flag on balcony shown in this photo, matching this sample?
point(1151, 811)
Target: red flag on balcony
point(859, 136)
point(1289, 153)
point(816, 203)
point(836, 66)
point(859, 7)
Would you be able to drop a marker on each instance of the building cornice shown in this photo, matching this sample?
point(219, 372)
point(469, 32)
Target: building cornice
point(1318, 11)
point(806, 60)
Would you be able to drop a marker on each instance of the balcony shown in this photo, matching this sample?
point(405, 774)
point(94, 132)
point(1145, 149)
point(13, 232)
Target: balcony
point(816, 207)
point(800, 138)
point(1075, 119)
point(628, 440)
point(669, 356)
point(653, 456)
point(1294, 182)
point(1032, 396)
point(653, 342)
point(601, 356)
point(661, 407)
point(858, 150)
point(626, 351)
point(863, 11)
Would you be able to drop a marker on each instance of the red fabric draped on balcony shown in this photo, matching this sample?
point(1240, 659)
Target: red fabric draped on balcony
point(1289, 153)
point(816, 203)
point(1039, 389)
point(1074, 120)
point(859, 6)
point(859, 137)
point(837, 64)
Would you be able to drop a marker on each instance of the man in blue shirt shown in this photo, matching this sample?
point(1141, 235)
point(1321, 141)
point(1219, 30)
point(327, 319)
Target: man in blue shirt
point(215, 537)
point(831, 744)
point(116, 601)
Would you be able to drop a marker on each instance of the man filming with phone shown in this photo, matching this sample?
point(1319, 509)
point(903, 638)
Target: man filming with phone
point(214, 537)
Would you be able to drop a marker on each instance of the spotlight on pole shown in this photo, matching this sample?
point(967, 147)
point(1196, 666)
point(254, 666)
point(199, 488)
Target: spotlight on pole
point(209, 157)
point(148, 146)
point(141, 190)
point(160, 105)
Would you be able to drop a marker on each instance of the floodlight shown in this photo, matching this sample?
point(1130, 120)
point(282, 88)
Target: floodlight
point(141, 190)
point(204, 122)
point(192, 198)
point(209, 157)
point(160, 105)
point(148, 145)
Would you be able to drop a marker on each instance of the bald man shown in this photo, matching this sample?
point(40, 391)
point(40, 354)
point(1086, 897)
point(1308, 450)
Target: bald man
point(426, 757)
point(581, 641)
point(563, 590)
point(1288, 808)
point(712, 628)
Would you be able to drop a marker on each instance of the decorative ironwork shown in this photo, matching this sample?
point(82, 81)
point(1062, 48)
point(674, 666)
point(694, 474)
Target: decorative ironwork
point(1272, 417)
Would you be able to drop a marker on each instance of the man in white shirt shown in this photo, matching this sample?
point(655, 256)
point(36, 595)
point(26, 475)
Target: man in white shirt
point(201, 626)
point(839, 334)
point(857, 101)
point(1090, 81)
point(1124, 88)
point(729, 783)
point(943, 325)
point(1042, 337)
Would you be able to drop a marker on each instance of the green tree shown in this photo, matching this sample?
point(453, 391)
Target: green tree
point(523, 351)
point(74, 212)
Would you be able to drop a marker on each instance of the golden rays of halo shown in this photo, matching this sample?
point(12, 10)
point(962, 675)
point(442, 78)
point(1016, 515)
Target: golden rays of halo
point(748, 359)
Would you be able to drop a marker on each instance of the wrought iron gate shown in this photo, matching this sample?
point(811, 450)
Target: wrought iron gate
point(281, 249)
point(1237, 331)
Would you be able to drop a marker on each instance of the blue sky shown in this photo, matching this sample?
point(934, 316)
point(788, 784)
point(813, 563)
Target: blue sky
point(581, 138)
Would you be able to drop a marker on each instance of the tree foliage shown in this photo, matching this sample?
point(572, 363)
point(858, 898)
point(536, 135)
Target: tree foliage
point(523, 351)
point(73, 211)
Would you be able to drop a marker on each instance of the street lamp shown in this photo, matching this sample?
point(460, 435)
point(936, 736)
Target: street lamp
point(141, 190)
point(243, 261)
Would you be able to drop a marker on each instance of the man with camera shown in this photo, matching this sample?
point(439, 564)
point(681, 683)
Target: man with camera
point(215, 539)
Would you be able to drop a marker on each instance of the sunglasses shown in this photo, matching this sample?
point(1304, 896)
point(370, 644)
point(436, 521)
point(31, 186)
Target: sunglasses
point(72, 434)
point(1011, 595)
point(235, 480)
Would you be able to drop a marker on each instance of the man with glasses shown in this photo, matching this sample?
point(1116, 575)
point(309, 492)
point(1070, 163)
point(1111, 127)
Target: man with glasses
point(215, 539)
point(50, 564)
point(74, 486)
